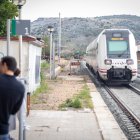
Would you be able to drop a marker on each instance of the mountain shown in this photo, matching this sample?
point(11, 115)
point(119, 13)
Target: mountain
point(77, 33)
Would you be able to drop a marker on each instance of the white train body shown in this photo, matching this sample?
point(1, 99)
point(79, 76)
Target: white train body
point(112, 55)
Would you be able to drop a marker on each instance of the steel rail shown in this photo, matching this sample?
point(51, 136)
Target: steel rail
point(136, 90)
point(124, 108)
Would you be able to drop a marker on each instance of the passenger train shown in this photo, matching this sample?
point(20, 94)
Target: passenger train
point(112, 56)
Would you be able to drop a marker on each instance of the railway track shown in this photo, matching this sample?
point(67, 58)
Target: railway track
point(124, 112)
point(134, 119)
point(129, 104)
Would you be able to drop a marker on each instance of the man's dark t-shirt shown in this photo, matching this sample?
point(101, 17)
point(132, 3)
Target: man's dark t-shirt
point(11, 97)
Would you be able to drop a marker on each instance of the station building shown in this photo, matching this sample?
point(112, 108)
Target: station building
point(31, 58)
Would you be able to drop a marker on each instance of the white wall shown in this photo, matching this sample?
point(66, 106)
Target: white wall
point(14, 51)
point(29, 52)
point(3, 47)
point(33, 52)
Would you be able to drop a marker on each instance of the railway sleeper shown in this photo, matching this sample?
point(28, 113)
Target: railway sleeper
point(131, 128)
point(133, 132)
point(136, 138)
point(136, 134)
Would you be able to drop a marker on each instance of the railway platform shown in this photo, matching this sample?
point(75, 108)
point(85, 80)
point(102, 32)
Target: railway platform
point(63, 125)
point(97, 124)
point(85, 124)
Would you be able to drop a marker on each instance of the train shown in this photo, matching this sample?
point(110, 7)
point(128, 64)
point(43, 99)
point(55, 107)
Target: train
point(112, 56)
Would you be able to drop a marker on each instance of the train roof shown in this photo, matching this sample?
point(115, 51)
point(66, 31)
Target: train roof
point(115, 30)
point(108, 31)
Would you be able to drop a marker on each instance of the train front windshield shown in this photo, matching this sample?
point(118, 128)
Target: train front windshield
point(117, 44)
point(118, 49)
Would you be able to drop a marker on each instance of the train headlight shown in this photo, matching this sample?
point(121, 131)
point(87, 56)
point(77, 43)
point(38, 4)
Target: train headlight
point(129, 61)
point(108, 61)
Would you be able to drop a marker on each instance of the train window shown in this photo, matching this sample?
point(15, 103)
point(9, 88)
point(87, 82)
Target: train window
point(118, 48)
point(116, 35)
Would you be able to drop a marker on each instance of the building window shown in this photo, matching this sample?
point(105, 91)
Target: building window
point(37, 70)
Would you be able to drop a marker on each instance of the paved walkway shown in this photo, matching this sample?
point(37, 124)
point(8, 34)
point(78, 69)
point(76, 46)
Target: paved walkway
point(62, 125)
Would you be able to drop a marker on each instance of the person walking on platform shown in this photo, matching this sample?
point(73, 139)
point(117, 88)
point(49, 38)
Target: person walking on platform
point(11, 94)
point(12, 119)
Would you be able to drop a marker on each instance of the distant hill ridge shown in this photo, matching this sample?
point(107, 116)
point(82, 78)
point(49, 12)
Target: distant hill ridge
point(78, 32)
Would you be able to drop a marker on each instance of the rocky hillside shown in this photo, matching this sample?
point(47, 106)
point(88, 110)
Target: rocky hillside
point(77, 33)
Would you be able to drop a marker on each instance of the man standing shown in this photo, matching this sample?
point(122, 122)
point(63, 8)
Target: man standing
point(11, 94)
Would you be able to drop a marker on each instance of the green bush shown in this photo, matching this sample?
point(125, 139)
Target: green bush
point(83, 99)
point(75, 103)
point(45, 65)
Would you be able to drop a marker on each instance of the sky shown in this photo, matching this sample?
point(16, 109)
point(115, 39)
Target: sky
point(34, 9)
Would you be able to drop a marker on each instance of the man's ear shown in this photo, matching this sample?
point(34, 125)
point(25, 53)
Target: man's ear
point(5, 66)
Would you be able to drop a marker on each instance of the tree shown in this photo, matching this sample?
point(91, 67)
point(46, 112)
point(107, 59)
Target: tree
point(7, 11)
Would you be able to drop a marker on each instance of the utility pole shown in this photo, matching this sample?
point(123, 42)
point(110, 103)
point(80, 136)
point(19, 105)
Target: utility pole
point(22, 130)
point(20, 41)
point(59, 45)
point(53, 60)
point(51, 29)
point(20, 66)
point(50, 55)
point(8, 36)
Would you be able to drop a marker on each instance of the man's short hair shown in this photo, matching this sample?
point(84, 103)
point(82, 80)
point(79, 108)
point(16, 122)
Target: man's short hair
point(10, 62)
